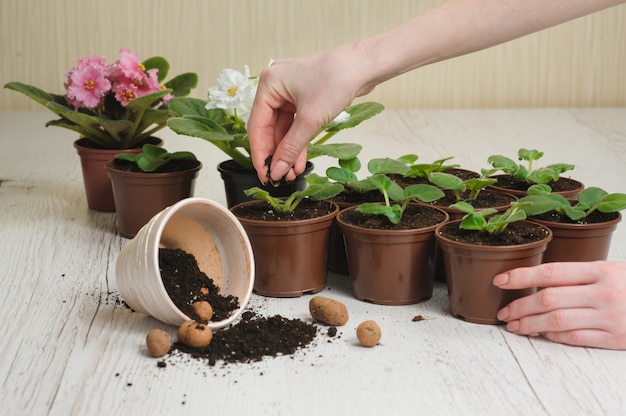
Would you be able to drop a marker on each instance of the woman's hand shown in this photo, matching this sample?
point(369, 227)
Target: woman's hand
point(580, 303)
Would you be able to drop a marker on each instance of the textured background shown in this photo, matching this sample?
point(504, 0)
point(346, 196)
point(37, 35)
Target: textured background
point(578, 64)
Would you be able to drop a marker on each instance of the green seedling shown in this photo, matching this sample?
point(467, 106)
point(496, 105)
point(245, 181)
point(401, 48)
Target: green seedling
point(459, 186)
point(589, 200)
point(319, 188)
point(528, 172)
point(153, 157)
point(480, 220)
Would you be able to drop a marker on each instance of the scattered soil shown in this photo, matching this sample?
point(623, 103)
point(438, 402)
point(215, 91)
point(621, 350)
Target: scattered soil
point(515, 233)
point(509, 182)
point(594, 218)
point(485, 199)
point(250, 339)
point(175, 165)
point(253, 338)
point(415, 216)
point(185, 283)
point(264, 212)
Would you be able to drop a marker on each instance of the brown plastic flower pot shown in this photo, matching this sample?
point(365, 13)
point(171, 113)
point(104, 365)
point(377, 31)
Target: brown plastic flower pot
point(139, 196)
point(391, 267)
point(290, 256)
point(471, 268)
point(580, 242)
point(97, 184)
point(574, 188)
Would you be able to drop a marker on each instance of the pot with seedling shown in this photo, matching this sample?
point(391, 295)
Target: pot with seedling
point(482, 245)
point(289, 237)
point(115, 108)
point(222, 121)
point(582, 229)
point(390, 246)
point(517, 178)
point(146, 183)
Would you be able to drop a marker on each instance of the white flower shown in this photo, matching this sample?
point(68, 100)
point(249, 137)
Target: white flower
point(343, 116)
point(234, 91)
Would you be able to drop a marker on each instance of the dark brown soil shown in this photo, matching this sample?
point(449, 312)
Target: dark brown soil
point(485, 199)
point(515, 234)
point(307, 209)
point(593, 218)
point(250, 339)
point(346, 199)
point(185, 284)
point(175, 165)
point(253, 338)
point(414, 217)
point(561, 185)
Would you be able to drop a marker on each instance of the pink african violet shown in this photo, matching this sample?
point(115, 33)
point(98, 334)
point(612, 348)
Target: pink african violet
point(91, 80)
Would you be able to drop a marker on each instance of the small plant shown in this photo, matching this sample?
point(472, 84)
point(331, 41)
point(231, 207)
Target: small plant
point(591, 199)
point(528, 172)
point(319, 189)
point(153, 157)
point(422, 170)
point(477, 220)
point(391, 191)
point(459, 186)
point(222, 119)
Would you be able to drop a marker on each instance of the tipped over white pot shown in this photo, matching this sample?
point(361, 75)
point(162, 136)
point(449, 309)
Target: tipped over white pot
point(200, 227)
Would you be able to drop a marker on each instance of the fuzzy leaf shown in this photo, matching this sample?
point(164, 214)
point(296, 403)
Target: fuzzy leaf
point(423, 192)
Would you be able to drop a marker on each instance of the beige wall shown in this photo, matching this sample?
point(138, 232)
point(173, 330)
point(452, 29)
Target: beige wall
point(580, 63)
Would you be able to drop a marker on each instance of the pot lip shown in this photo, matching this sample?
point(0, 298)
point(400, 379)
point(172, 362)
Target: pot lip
point(580, 187)
point(220, 167)
point(441, 238)
point(172, 211)
point(589, 226)
point(112, 169)
point(492, 191)
point(285, 223)
point(78, 145)
point(366, 230)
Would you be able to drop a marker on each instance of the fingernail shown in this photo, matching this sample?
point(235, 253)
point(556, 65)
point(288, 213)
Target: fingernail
point(501, 279)
point(512, 326)
point(279, 170)
point(503, 314)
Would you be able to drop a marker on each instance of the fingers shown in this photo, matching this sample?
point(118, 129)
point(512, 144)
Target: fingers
point(547, 275)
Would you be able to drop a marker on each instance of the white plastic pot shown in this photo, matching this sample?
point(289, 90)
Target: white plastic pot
point(198, 226)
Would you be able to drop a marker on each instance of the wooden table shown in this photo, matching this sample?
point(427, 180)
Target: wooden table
point(69, 347)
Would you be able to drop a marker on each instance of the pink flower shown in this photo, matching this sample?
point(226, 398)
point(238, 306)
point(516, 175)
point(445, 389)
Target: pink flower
point(150, 83)
point(87, 83)
point(125, 92)
point(130, 67)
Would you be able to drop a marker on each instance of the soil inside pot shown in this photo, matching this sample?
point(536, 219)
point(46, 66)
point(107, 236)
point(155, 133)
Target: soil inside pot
point(174, 165)
point(414, 217)
point(561, 185)
point(264, 212)
point(185, 284)
point(485, 199)
point(514, 234)
point(595, 217)
point(352, 198)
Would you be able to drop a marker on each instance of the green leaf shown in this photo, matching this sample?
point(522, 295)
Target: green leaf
point(542, 175)
point(529, 155)
point(408, 159)
point(336, 150)
point(182, 84)
point(423, 192)
point(387, 166)
point(153, 151)
point(560, 167)
point(612, 203)
point(145, 101)
point(36, 94)
point(503, 163)
point(361, 186)
point(447, 181)
point(187, 106)
point(540, 204)
point(159, 63)
point(590, 197)
point(340, 175)
point(463, 207)
point(205, 129)
point(358, 114)
point(353, 165)
point(472, 222)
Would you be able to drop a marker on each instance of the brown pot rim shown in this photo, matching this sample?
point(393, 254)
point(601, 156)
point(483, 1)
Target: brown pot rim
point(80, 147)
point(285, 223)
point(499, 208)
point(484, 248)
point(150, 175)
point(589, 226)
point(576, 190)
